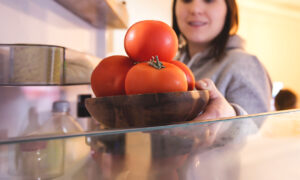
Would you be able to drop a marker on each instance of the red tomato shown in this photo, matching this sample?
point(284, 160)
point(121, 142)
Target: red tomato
point(189, 74)
point(149, 38)
point(108, 78)
point(144, 78)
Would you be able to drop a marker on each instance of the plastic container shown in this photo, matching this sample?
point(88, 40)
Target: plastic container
point(41, 64)
point(45, 159)
point(61, 120)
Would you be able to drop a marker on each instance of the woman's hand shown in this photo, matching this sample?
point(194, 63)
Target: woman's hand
point(205, 134)
point(218, 106)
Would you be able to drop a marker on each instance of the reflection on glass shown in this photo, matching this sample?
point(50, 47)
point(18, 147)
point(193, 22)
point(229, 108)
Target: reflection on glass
point(38, 160)
point(231, 149)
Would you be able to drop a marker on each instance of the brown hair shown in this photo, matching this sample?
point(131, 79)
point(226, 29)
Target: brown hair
point(285, 99)
point(230, 28)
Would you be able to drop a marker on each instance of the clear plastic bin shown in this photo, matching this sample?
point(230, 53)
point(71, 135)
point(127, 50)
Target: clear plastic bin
point(31, 64)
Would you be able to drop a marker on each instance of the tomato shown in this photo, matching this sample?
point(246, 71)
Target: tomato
point(144, 78)
point(189, 74)
point(149, 38)
point(108, 78)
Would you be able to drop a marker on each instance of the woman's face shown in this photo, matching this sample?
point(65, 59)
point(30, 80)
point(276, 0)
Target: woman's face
point(200, 21)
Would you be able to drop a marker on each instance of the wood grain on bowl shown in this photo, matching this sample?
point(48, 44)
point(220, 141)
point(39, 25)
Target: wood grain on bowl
point(145, 110)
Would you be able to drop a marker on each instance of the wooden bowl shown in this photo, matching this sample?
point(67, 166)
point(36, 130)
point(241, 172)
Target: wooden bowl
point(145, 110)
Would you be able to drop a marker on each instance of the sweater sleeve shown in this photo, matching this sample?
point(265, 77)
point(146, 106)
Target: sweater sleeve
point(249, 86)
point(238, 110)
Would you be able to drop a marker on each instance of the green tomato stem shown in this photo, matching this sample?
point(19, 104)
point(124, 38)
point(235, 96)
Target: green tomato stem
point(154, 62)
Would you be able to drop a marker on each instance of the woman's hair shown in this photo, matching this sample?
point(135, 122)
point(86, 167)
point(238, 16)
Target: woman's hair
point(230, 28)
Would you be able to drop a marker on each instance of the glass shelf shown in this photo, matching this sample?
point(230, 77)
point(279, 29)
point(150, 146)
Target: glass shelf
point(224, 149)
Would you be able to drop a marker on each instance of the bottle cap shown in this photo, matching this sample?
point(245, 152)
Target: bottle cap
point(61, 106)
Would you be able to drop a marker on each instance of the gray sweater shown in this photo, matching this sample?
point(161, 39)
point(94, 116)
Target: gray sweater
point(239, 76)
point(244, 82)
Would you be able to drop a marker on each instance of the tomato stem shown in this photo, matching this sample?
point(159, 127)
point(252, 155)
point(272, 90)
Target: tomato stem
point(154, 62)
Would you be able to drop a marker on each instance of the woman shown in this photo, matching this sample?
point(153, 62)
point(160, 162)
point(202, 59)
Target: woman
point(237, 82)
point(218, 60)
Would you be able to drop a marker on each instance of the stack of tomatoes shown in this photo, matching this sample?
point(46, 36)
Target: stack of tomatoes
point(149, 67)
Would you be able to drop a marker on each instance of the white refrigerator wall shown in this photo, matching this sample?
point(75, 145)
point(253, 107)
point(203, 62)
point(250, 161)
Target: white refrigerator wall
point(42, 22)
point(47, 22)
point(138, 10)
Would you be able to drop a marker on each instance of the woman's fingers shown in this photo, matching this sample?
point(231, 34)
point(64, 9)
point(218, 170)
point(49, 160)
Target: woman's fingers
point(218, 106)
